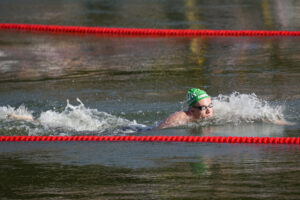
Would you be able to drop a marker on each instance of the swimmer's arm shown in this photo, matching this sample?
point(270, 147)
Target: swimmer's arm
point(279, 122)
point(173, 120)
point(21, 117)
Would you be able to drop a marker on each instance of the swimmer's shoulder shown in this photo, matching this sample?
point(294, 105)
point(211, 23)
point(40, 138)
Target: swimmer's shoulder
point(176, 119)
point(178, 116)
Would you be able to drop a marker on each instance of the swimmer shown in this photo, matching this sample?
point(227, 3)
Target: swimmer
point(200, 107)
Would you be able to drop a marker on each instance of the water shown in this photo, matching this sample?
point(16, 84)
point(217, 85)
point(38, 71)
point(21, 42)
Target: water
point(94, 85)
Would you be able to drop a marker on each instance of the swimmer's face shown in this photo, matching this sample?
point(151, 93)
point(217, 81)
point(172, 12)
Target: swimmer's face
point(203, 109)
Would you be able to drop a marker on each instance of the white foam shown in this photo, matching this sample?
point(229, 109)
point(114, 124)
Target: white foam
point(236, 108)
point(7, 110)
point(74, 118)
point(80, 118)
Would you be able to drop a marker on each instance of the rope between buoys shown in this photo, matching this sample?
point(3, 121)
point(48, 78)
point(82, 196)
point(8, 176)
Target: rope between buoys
point(143, 31)
point(207, 139)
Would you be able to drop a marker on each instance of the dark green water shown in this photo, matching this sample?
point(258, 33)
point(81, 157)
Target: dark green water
point(128, 85)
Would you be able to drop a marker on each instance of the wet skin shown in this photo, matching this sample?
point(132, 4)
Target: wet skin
point(191, 115)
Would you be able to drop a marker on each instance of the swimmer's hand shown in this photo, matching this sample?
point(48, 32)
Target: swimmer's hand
point(280, 122)
point(21, 117)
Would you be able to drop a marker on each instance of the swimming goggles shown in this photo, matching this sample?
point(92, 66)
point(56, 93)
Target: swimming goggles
point(203, 107)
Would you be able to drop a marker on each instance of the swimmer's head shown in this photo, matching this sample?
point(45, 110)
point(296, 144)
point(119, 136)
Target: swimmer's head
point(194, 95)
point(200, 104)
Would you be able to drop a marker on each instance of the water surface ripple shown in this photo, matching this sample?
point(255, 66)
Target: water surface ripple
point(94, 85)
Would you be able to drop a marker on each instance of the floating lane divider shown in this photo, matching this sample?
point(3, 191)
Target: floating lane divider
point(205, 139)
point(143, 31)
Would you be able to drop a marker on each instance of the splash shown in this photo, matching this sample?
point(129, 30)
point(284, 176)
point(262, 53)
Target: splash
point(237, 108)
point(5, 111)
point(230, 109)
point(80, 118)
point(74, 119)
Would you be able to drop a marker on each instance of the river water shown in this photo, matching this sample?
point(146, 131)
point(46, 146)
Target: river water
point(77, 84)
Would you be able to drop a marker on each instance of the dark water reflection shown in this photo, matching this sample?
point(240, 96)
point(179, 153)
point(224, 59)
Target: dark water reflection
point(224, 64)
point(148, 171)
point(241, 14)
point(146, 79)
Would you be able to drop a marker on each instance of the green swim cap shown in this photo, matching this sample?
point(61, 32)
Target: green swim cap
point(194, 95)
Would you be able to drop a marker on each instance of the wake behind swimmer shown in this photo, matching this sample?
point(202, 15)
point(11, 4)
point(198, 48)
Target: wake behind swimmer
point(224, 109)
